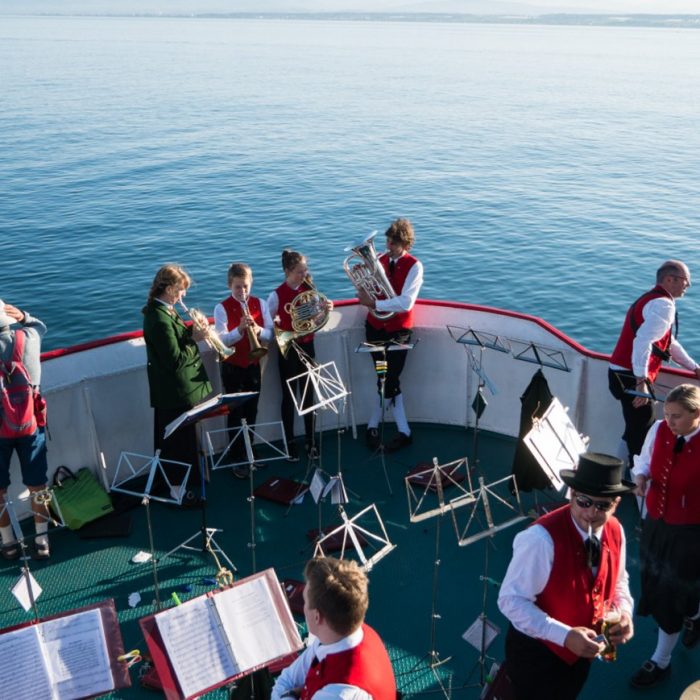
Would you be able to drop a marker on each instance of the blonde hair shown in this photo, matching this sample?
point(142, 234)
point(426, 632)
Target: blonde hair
point(337, 588)
point(686, 395)
point(239, 269)
point(168, 275)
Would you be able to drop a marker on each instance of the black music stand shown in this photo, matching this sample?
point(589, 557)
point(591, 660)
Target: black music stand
point(483, 340)
point(378, 349)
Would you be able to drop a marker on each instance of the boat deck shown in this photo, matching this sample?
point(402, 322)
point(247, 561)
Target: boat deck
point(83, 571)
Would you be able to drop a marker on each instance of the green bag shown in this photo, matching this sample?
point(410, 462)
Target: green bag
point(78, 498)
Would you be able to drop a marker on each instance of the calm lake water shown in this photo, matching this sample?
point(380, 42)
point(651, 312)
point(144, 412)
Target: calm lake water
point(546, 169)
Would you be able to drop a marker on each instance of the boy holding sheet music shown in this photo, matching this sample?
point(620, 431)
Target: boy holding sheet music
point(345, 657)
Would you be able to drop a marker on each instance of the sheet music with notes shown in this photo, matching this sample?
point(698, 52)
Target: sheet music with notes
point(212, 638)
point(61, 659)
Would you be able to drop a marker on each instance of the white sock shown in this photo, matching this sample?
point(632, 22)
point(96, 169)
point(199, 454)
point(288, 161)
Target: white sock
point(400, 415)
point(8, 536)
point(41, 531)
point(664, 648)
point(697, 615)
point(376, 414)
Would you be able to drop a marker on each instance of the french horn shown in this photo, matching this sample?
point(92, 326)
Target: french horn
point(367, 273)
point(309, 312)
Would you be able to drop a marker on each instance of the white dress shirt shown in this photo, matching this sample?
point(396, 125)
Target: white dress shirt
point(407, 298)
point(659, 315)
point(293, 676)
point(527, 576)
point(231, 337)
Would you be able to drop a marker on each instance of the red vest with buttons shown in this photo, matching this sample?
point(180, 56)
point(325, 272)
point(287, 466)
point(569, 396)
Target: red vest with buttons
point(285, 295)
point(674, 490)
point(234, 313)
point(622, 354)
point(366, 666)
point(404, 319)
point(572, 595)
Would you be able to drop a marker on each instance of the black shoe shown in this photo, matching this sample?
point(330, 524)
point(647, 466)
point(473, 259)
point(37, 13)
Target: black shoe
point(691, 633)
point(10, 551)
point(293, 452)
point(190, 500)
point(398, 441)
point(372, 439)
point(41, 551)
point(649, 675)
point(241, 472)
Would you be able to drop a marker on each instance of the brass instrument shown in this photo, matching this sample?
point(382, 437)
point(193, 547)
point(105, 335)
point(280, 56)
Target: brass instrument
point(368, 274)
point(256, 349)
point(201, 322)
point(309, 311)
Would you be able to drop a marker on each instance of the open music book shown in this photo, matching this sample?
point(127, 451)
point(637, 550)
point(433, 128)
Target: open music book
point(214, 638)
point(63, 658)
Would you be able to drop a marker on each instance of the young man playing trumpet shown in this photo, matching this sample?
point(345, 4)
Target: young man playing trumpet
point(405, 273)
point(243, 322)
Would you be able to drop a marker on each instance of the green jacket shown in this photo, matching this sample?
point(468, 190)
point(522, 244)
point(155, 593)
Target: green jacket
point(176, 374)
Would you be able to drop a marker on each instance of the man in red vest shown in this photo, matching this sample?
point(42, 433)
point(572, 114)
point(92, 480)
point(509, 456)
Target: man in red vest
point(564, 567)
point(646, 339)
point(405, 273)
point(345, 657)
point(238, 319)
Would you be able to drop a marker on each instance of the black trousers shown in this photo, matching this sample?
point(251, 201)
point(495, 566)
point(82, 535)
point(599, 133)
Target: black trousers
point(237, 379)
point(181, 446)
point(637, 420)
point(292, 366)
point(396, 359)
point(537, 673)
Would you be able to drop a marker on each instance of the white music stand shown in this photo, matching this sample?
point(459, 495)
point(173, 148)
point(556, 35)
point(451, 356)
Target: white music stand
point(352, 532)
point(555, 443)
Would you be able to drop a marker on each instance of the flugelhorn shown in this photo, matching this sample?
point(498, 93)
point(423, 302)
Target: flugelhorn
point(201, 322)
point(256, 349)
point(309, 312)
point(368, 274)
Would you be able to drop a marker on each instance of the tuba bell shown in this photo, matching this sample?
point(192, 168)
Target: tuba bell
point(309, 311)
point(368, 274)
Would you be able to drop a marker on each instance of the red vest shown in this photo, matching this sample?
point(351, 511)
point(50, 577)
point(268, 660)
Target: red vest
point(285, 295)
point(234, 313)
point(622, 354)
point(404, 319)
point(572, 595)
point(674, 490)
point(367, 666)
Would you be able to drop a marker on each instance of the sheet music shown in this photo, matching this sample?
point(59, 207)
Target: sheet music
point(23, 672)
point(78, 655)
point(252, 623)
point(317, 486)
point(196, 645)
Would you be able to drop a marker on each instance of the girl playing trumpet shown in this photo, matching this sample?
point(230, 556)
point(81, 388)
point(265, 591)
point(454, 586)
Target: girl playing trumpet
point(242, 321)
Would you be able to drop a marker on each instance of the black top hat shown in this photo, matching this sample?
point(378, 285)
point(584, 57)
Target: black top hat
point(597, 475)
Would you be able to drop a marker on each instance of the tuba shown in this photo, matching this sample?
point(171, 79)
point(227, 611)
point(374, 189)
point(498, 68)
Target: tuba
point(256, 349)
point(309, 313)
point(200, 321)
point(368, 274)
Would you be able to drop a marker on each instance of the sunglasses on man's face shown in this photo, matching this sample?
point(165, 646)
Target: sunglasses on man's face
point(585, 502)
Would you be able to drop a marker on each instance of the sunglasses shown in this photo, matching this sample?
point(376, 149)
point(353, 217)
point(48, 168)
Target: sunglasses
point(585, 502)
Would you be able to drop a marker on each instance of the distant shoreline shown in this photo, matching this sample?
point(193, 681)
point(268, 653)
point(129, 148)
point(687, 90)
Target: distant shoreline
point(578, 20)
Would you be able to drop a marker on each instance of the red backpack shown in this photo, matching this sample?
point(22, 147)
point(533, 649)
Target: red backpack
point(17, 416)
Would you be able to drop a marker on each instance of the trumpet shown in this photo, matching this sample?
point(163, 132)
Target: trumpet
point(201, 322)
point(368, 274)
point(309, 311)
point(256, 349)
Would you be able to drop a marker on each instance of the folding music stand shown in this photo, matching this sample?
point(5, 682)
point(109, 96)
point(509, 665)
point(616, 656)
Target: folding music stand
point(539, 355)
point(247, 434)
point(381, 347)
point(429, 503)
point(353, 534)
point(487, 499)
point(132, 466)
point(483, 340)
